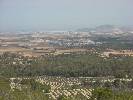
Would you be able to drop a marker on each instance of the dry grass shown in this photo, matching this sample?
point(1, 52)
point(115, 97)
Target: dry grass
point(12, 49)
point(124, 52)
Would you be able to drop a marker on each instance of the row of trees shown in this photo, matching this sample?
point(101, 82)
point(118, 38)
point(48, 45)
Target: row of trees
point(74, 65)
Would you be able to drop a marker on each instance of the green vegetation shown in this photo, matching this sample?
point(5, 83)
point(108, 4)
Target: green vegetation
point(102, 94)
point(108, 94)
point(74, 65)
point(31, 90)
point(87, 64)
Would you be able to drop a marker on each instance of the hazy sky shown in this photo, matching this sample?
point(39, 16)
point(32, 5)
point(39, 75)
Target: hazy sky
point(40, 15)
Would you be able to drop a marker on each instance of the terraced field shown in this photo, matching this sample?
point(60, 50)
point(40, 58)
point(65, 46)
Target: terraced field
point(65, 86)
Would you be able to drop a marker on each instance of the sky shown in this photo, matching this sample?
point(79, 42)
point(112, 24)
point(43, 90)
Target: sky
point(42, 15)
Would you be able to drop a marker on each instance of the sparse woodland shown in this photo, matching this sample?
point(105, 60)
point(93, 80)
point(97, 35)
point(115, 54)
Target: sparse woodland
point(108, 78)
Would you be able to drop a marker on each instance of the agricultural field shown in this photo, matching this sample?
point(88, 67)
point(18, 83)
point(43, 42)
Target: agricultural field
point(36, 72)
point(61, 88)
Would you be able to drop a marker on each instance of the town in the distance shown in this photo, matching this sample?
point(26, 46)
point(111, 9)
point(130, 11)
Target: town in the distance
point(84, 64)
point(114, 40)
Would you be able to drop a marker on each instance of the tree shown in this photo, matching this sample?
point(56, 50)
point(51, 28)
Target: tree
point(101, 94)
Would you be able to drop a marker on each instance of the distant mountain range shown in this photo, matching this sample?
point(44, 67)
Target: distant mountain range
point(106, 29)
